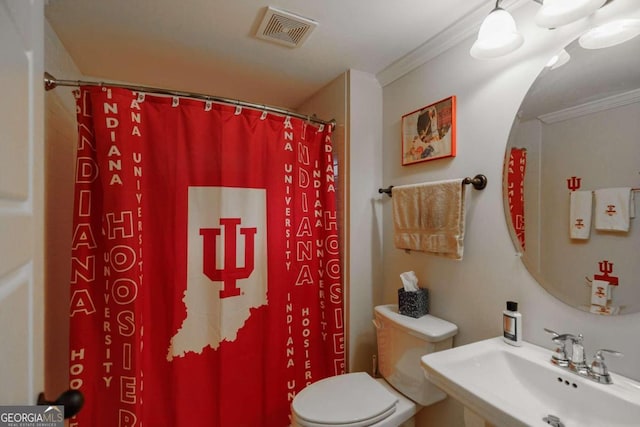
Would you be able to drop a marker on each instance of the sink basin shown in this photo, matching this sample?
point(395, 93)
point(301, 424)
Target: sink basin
point(518, 386)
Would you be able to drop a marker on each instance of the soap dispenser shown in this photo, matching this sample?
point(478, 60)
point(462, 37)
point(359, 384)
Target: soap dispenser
point(512, 324)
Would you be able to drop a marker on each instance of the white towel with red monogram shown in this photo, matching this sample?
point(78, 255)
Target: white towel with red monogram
point(613, 209)
point(580, 208)
point(599, 292)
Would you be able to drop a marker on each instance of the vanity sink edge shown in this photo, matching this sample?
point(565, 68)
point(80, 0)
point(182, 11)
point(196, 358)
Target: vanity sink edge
point(519, 386)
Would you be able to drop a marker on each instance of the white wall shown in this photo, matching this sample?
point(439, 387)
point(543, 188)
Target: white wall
point(60, 154)
point(365, 215)
point(472, 292)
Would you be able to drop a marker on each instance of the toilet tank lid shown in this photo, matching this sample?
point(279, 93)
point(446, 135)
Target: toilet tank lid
point(431, 328)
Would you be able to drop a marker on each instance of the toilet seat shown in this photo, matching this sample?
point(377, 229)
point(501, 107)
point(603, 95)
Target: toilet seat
point(350, 400)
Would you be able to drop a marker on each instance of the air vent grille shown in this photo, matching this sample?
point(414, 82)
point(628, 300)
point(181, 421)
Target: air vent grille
point(285, 28)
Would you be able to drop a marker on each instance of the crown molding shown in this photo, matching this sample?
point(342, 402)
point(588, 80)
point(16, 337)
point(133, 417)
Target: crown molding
point(603, 104)
point(459, 31)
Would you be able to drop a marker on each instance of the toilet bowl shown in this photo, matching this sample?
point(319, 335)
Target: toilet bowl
point(351, 400)
point(359, 400)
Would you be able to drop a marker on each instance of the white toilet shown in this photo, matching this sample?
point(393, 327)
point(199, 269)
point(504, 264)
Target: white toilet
point(358, 400)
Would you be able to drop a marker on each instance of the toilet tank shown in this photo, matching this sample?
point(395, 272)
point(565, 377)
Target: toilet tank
point(402, 341)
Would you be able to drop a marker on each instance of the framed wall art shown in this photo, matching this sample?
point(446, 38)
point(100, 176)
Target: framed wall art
point(430, 132)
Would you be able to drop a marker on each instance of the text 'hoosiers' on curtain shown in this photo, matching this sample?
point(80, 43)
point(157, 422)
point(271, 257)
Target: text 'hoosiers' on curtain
point(206, 284)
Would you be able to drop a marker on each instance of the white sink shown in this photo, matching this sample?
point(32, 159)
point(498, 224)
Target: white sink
point(518, 386)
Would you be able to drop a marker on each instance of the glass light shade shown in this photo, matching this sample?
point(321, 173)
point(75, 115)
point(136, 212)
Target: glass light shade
point(554, 13)
point(497, 36)
point(610, 34)
point(559, 60)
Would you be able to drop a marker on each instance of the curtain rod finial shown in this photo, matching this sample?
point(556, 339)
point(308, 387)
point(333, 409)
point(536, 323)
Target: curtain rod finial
point(50, 82)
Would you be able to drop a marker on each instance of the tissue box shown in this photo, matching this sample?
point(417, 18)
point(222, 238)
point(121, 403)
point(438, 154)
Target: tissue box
point(413, 304)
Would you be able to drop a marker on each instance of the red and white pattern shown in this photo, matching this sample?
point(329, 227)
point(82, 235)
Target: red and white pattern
point(515, 190)
point(206, 284)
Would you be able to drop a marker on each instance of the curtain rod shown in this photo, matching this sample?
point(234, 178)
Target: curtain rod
point(50, 82)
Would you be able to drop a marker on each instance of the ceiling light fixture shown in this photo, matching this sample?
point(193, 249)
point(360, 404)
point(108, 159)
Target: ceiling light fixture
point(558, 60)
point(499, 36)
point(610, 34)
point(555, 13)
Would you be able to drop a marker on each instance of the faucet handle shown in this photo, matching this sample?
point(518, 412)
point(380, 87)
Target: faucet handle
point(599, 355)
point(564, 338)
point(559, 356)
point(559, 338)
point(599, 370)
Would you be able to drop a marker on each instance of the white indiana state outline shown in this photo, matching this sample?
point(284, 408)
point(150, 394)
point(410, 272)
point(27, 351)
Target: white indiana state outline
point(211, 319)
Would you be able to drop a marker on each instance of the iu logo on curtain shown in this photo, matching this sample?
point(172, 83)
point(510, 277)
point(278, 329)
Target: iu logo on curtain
point(237, 303)
point(226, 266)
point(231, 272)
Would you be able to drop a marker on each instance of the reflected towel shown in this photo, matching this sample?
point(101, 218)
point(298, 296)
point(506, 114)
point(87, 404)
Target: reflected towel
point(599, 292)
point(612, 209)
point(429, 217)
point(604, 311)
point(580, 214)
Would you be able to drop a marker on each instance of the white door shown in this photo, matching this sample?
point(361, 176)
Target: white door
point(21, 201)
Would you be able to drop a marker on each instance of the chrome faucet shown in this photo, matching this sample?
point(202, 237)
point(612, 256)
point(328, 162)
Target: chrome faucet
point(578, 362)
point(599, 371)
point(570, 355)
point(560, 355)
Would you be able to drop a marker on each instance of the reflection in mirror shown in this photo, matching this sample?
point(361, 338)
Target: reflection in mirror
point(578, 131)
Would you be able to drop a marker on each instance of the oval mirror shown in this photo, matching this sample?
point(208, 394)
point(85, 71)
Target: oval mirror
point(578, 131)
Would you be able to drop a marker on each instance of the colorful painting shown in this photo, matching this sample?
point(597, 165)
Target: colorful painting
point(430, 132)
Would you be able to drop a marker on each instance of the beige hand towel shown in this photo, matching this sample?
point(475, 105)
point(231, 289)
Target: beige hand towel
point(429, 217)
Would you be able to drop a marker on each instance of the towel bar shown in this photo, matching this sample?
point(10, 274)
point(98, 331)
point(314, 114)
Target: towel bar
point(479, 182)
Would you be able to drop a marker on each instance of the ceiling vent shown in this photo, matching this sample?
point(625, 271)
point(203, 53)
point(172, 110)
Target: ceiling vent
point(285, 28)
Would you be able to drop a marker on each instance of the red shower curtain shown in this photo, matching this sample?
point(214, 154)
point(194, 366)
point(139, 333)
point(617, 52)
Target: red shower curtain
point(206, 283)
point(515, 190)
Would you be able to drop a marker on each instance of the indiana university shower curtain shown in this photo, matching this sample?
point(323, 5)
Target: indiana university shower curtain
point(206, 283)
point(515, 189)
